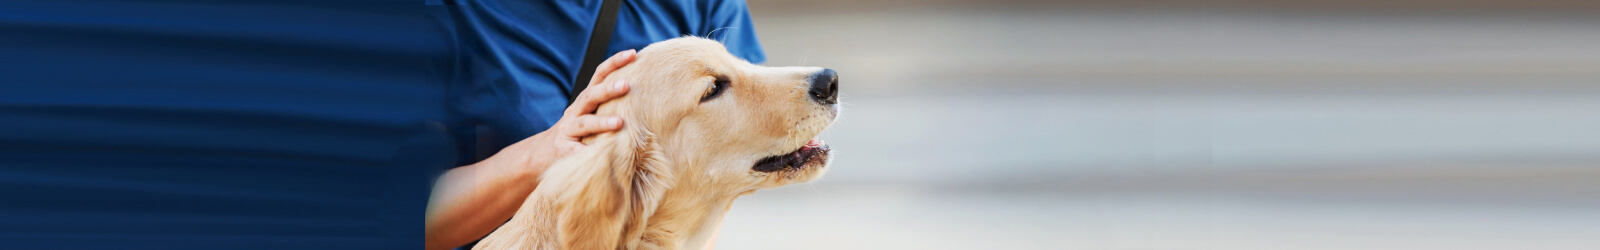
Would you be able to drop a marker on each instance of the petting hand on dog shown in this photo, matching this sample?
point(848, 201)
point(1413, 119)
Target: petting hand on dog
point(471, 201)
point(579, 121)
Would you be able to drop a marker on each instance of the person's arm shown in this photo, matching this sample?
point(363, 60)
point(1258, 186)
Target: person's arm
point(469, 202)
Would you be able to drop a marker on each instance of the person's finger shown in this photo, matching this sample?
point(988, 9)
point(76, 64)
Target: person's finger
point(610, 91)
point(591, 98)
point(586, 102)
point(591, 124)
point(611, 65)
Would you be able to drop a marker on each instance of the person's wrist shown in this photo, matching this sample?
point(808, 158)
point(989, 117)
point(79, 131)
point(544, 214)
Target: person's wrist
point(534, 155)
point(518, 160)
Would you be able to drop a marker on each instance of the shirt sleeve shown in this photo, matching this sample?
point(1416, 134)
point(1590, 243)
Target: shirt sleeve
point(729, 21)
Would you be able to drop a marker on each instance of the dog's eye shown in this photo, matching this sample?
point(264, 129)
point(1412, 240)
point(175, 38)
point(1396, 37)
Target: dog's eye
point(716, 89)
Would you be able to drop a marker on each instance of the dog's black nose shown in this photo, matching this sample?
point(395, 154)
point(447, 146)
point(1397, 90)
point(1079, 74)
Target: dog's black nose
point(825, 87)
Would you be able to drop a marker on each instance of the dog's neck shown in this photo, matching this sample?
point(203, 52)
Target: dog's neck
point(690, 219)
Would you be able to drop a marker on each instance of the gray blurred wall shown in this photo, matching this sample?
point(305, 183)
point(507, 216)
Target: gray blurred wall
point(1193, 125)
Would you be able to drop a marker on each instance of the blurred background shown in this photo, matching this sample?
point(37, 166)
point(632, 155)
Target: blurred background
point(1149, 124)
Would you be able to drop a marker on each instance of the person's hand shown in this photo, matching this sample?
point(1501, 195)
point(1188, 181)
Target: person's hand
point(471, 201)
point(579, 121)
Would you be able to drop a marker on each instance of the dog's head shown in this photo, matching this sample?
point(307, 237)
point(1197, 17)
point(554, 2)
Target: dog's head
point(701, 125)
point(725, 123)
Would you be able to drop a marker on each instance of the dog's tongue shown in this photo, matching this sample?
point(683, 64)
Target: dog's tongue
point(814, 142)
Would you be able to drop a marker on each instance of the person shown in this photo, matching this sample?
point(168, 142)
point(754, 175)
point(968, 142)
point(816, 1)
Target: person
point(508, 73)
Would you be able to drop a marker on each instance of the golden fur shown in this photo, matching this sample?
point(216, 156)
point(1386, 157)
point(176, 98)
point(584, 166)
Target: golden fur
point(667, 177)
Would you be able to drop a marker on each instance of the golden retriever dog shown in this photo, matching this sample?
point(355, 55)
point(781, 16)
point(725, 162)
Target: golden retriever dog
point(703, 128)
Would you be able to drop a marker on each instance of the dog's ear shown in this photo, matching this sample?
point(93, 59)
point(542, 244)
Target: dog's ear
point(615, 196)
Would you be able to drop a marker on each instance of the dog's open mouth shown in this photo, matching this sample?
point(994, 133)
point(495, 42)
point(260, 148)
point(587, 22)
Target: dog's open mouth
point(814, 150)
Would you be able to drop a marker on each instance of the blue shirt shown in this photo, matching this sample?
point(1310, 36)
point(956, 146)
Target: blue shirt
point(258, 124)
point(516, 59)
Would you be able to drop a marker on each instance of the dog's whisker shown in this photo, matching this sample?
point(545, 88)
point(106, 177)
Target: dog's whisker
point(803, 56)
point(812, 185)
point(724, 36)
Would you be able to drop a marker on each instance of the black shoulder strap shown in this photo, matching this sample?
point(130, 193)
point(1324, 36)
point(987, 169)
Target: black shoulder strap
point(598, 41)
